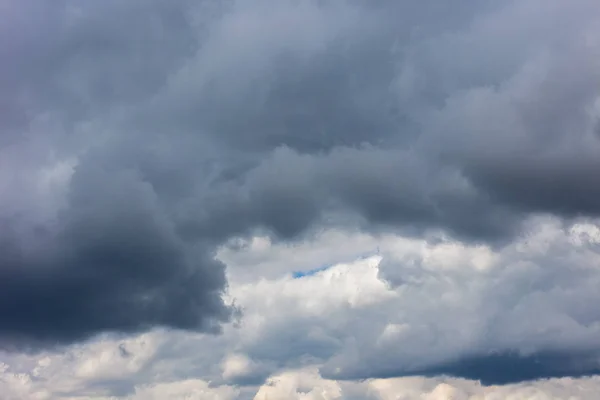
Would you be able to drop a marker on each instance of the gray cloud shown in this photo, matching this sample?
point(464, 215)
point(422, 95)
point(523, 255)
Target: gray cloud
point(188, 124)
point(111, 262)
point(503, 368)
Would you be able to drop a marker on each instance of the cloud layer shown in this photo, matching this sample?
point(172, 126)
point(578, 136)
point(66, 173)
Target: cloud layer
point(157, 158)
point(438, 309)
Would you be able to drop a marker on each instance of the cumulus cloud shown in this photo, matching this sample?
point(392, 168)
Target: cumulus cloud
point(429, 307)
point(524, 312)
point(432, 307)
point(111, 261)
point(145, 145)
point(308, 385)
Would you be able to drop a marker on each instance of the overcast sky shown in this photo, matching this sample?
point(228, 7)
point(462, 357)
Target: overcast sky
point(299, 199)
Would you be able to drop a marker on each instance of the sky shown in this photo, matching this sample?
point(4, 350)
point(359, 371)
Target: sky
point(299, 199)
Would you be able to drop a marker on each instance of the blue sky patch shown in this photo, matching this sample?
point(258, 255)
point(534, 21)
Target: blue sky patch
point(302, 274)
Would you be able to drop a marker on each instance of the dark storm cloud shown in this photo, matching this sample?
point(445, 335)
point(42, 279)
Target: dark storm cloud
point(191, 123)
point(501, 369)
point(507, 368)
point(565, 185)
point(111, 262)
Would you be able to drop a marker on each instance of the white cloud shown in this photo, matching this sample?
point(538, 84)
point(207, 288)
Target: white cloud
point(193, 389)
point(236, 366)
point(308, 385)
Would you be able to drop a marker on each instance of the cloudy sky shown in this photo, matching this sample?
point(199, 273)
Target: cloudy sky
point(299, 199)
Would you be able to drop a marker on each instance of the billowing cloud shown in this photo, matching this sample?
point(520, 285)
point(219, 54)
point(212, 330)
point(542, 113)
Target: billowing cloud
point(433, 307)
point(142, 141)
point(308, 385)
point(111, 261)
point(429, 307)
